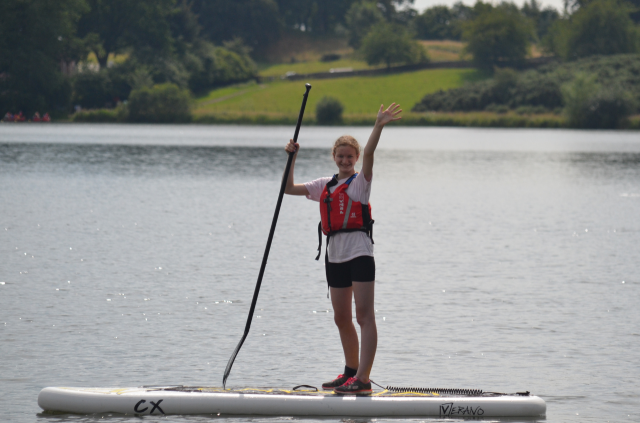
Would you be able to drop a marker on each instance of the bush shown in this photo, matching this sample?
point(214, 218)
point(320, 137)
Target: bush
point(92, 90)
point(389, 43)
point(329, 111)
point(497, 108)
point(497, 36)
point(589, 105)
point(118, 114)
point(164, 103)
point(531, 110)
point(536, 88)
point(330, 57)
point(602, 27)
point(210, 66)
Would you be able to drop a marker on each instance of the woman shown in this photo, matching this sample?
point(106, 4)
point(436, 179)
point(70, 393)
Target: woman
point(349, 263)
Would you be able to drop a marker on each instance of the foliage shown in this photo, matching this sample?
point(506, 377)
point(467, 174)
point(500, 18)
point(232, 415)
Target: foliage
point(603, 27)
point(330, 16)
point(360, 18)
point(497, 36)
point(436, 23)
point(115, 26)
point(118, 114)
point(538, 88)
point(599, 27)
point(391, 43)
point(256, 22)
point(319, 17)
point(531, 110)
point(92, 90)
point(164, 103)
point(34, 38)
point(442, 22)
point(474, 119)
point(542, 18)
point(497, 108)
point(446, 23)
point(589, 105)
point(330, 57)
point(329, 111)
point(212, 66)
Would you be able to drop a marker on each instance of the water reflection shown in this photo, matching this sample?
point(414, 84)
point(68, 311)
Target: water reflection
point(269, 162)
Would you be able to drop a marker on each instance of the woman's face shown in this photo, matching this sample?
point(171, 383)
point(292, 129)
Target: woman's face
point(345, 158)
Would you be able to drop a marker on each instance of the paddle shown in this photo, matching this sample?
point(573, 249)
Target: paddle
point(285, 177)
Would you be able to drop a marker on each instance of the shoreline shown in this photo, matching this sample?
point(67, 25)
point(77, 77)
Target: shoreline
point(427, 119)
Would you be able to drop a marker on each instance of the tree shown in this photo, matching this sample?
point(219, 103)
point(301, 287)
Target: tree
point(391, 43)
point(390, 7)
point(360, 18)
point(321, 17)
point(497, 36)
point(442, 22)
point(35, 36)
point(602, 27)
point(115, 26)
point(572, 6)
point(542, 18)
point(256, 22)
point(435, 23)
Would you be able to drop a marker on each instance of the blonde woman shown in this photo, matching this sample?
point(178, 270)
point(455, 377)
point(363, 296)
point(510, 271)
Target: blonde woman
point(350, 268)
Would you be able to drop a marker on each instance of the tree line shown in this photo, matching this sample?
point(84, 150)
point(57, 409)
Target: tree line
point(197, 45)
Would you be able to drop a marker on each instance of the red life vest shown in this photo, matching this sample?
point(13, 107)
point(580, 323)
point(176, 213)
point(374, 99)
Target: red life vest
point(339, 213)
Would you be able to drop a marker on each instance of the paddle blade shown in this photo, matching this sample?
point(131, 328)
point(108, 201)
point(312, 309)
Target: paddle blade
point(232, 359)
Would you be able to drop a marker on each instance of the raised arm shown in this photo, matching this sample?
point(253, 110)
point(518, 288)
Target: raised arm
point(291, 188)
point(384, 117)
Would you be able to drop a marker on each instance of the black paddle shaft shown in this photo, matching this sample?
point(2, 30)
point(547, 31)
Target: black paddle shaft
point(285, 177)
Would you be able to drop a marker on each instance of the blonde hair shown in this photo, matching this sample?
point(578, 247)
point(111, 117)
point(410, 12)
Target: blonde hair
point(346, 140)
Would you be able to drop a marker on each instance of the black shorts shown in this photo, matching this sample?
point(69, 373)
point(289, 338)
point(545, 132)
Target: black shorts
point(359, 269)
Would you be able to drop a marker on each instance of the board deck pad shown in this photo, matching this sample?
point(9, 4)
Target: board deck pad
point(303, 401)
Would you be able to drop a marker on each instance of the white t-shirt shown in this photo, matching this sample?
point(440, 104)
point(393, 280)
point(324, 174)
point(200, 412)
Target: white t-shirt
point(345, 246)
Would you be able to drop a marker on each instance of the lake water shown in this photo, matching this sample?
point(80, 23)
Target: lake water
point(508, 260)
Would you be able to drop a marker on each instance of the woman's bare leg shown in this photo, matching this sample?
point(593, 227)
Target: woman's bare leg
point(341, 299)
point(363, 293)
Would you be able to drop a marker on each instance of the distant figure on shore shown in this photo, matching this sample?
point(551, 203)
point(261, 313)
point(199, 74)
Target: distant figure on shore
point(8, 117)
point(46, 118)
point(36, 117)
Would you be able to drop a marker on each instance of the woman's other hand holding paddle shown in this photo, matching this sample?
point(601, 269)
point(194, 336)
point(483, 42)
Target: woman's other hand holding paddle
point(291, 188)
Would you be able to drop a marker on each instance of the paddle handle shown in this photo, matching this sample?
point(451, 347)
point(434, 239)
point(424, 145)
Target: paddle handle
point(304, 104)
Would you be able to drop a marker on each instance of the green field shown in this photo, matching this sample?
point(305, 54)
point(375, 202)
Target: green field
point(358, 94)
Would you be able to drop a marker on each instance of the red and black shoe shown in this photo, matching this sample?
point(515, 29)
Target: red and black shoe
point(340, 380)
point(354, 386)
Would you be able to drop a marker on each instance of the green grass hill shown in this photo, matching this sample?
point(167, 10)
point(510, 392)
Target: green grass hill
point(359, 95)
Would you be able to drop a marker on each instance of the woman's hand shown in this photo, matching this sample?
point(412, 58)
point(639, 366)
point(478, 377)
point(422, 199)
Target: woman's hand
point(290, 187)
point(389, 115)
point(292, 147)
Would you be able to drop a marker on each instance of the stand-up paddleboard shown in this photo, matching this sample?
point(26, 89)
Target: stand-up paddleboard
point(184, 400)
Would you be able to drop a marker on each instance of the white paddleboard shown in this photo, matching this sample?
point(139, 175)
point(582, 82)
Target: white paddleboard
point(281, 402)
